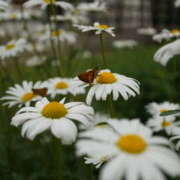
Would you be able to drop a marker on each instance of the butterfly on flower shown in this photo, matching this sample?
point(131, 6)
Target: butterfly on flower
point(89, 76)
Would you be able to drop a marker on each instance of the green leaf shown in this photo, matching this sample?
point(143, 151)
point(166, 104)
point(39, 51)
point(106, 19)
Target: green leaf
point(171, 112)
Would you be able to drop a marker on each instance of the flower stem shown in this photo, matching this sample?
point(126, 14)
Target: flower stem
point(57, 154)
point(102, 50)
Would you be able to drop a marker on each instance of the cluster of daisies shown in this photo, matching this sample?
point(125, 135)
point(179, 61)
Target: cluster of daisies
point(122, 148)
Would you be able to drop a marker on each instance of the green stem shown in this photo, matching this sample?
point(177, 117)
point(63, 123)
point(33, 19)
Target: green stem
point(58, 44)
point(58, 161)
point(111, 106)
point(102, 50)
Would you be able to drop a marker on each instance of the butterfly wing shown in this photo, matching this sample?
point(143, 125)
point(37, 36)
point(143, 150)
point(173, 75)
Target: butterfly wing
point(40, 92)
point(88, 76)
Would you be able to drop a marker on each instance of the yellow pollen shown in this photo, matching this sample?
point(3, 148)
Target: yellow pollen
point(27, 97)
point(9, 46)
point(102, 26)
point(61, 85)
point(55, 33)
point(106, 78)
point(166, 124)
point(164, 110)
point(54, 110)
point(132, 144)
point(49, 1)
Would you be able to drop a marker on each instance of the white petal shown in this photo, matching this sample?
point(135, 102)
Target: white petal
point(65, 130)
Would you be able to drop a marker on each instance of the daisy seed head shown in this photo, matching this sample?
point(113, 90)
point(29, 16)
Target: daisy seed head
point(61, 85)
point(27, 97)
point(9, 46)
point(49, 1)
point(132, 144)
point(102, 26)
point(166, 124)
point(106, 78)
point(54, 110)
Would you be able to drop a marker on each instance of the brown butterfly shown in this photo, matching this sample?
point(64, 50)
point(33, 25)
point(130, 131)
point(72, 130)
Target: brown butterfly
point(89, 76)
point(40, 92)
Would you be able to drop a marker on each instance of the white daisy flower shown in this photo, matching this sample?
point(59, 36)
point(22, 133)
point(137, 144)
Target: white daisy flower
point(13, 48)
point(131, 152)
point(166, 35)
point(35, 61)
point(165, 53)
point(64, 86)
point(98, 28)
point(13, 15)
point(74, 16)
point(56, 116)
point(155, 109)
point(95, 6)
point(124, 43)
point(62, 35)
point(149, 31)
point(168, 124)
point(3, 5)
point(107, 82)
point(22, 94)
point(45, 3)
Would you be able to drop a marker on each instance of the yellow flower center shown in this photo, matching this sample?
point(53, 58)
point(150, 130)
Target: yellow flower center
point(54, 110)
point(175, 31)
point(166, 124)
point(132, 144)
point(106, 78)
point(55, 33)
point(27, 97)
point(13, 16)
point(49, 1)
point(9, 46)
point(164, 110)
point(102, 26)
point(61, 85)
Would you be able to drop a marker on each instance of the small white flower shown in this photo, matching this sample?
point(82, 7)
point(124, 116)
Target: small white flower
point(56, 116)
point(92, 6)
point(13, 48)
point(64, 86)
point(149, 31)
point(98, 28)
point(132, 152)
point(74, 16)
point(107, 82)
point(124, 43)
point(62, 35)
point(13, 15)
point(155, 109)
point(22, 94)
point(164, 123)
point(166, 35)
point(3, 5)
point(165, 53)
point(35, 61)
point(45, 3)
